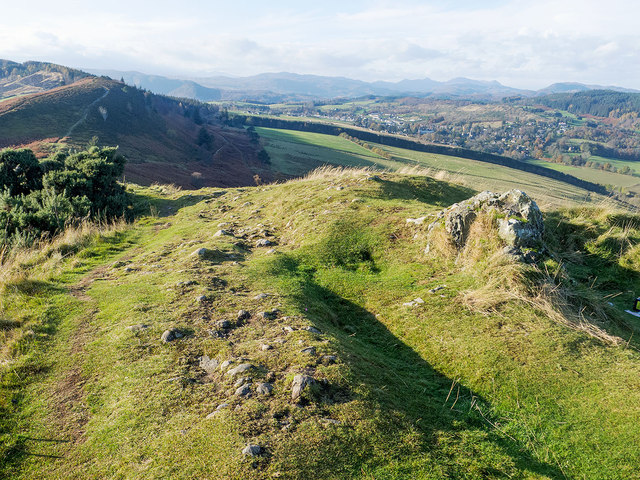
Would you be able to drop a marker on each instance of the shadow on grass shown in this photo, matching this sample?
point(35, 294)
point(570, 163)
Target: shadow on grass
point(426, 190)
point(408, 393)
point(164, 207)
point(590, 253)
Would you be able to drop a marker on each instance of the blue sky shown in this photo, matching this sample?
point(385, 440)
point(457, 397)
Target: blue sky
point(526, 44)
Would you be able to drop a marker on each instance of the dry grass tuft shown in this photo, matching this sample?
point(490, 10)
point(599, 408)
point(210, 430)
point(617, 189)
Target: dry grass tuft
point(327, 172)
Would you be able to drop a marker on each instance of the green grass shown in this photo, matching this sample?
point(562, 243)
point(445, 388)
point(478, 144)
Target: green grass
point(443, 390)
point(593, 175)
point(298, 152)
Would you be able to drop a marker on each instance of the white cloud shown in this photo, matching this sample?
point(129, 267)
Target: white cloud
point(525, 44)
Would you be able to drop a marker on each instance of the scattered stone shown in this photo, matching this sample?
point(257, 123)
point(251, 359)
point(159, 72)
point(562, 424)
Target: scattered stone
point(137, 328)
point(243, 315)
point(208, 364)
point(339, 188)
point(223, 324)
point(171, 335)
point(264, 242)
point(300, 383)
point(312, 330)
point(437, 289)
point(252, 450)
point(222, 406)
point(288, 329)
point(244, 390)
point(224, 365)
point(271, 251)
point(223, 224)
point(417, 221)
point(242, 381)
point(129, 269)
point(309, 350)
point(186, 283)
point(202, 252)
point(243, 367)
point(329, 359)
point(222, 233)
point(201, 298)
point(264, 347)
point(261, 296)
point(264, 389)
point(414, 303)
point(270, 377)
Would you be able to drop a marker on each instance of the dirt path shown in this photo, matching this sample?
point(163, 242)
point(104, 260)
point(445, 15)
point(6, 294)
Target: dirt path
point(85, 113)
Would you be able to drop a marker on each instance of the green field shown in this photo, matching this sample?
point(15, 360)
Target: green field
point(296, 152)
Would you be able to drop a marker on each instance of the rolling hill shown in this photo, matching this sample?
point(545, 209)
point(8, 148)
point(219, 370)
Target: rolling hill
point(32, 77)
point(276, 332)
point(160, 136)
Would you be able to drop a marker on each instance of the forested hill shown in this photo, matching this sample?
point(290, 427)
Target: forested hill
point(599, 103)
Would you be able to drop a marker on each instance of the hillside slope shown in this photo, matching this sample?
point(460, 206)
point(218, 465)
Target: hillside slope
point(18, 79)
point(161, 137)
point(495, 375)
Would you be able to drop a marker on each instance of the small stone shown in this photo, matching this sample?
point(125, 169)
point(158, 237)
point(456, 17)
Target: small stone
point(437, 289)
point(208, 364)
point(312, 330)
point(243, 367)
point(202, 252)
point(223, 324)
point(417, 221)
point(244, 390)
point(261, 296)
point(309, 350)
point(288, 329)
point(413, 303)
point(264, 347)
point(329, 359)
point(129, 269)
point(264, 242)
point(170, 335)
point(242, 381)
point(222, 406)
point(252, 450)
point(272, 315)
point(271, 251)
point(300, 383)
point(264, 389)
point(201, 298)
point(243, 315)
point(222, 233)
point(224, 365)
point(137, 328)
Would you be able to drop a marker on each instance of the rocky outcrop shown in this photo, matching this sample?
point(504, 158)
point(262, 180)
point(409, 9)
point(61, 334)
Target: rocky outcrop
point(518, 219)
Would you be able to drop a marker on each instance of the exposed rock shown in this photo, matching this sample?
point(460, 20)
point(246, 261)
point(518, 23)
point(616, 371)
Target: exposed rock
point(271, 315)
point(243, 315)
point(243, 367)
point(309, 350)
point(264, 242)
point(414, 303)
point(329, 359)
point(261, 296)
point(244, 390)
point(252, 450)
point(300, 383)
point(417, 221)
point(313, 330)
point(171, 335)
point(201, 298)
point(223, 324)
point(264, 388)
point(186, 283)
point(224, 365)
point(288, 329)
point(264, 347)
point(519, 221)
point(137, 328)
point(208, 364)
point(242, 381)
point(203, 252)
point(220, 407)
point(222, 233)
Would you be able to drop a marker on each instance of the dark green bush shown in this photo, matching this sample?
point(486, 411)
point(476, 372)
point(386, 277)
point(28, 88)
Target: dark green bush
point(41, 198)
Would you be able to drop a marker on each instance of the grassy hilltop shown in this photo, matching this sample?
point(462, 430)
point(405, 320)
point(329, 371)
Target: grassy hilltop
point(507, 371)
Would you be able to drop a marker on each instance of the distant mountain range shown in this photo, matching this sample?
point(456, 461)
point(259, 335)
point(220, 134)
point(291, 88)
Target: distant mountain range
point(274, 87)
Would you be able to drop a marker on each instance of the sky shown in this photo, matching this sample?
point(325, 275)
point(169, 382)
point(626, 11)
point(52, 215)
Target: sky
point(523, 44)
